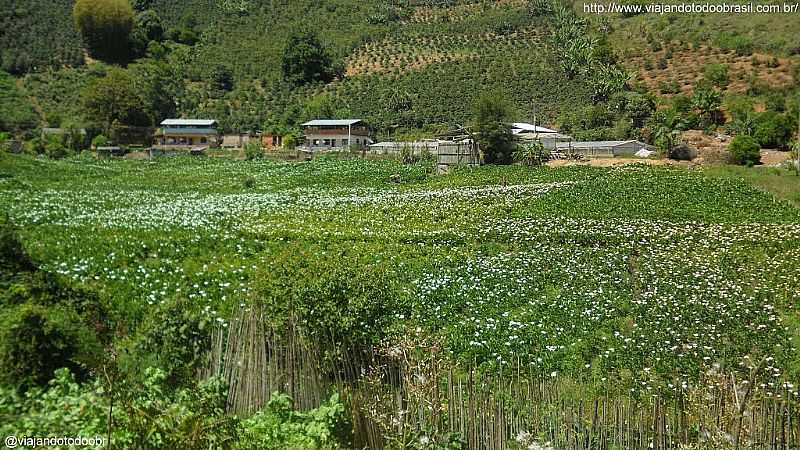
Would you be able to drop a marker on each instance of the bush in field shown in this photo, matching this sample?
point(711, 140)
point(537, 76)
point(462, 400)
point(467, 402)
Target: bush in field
point(173, 339)
point(148, 415)
point(253, 150)
point(717, 75)
point(773, 130)
point(492, 114)
point(745, 151)
point(105, 26)
point(279, 426)
point(55, 148)
point(707, 103)
point(36, 340)
point(531, 154)
point(100, 141)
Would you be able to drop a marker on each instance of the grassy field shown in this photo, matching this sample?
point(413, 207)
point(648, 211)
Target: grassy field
point(783, 183)
point(607, 271)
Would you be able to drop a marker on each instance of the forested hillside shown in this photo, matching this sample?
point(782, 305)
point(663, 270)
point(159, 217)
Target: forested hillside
point(408, 66)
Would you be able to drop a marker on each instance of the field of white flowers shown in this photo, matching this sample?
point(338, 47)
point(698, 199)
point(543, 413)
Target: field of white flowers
point(636, 276)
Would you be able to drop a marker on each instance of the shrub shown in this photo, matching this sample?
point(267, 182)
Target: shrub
point(717, 75)
point(253, 150)
point(279, 426)
point(773, 130)
point(55, 149)
point(531, 154)
point(99, 141)
point(745, 151)
point(36, 340)
point(173, 339)
point(249, 182)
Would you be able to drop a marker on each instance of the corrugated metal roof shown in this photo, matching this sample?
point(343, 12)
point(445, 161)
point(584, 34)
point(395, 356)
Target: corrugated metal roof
point(188, 122)
point(533, 128)
point(331, 122)
point(545, 136)
point(595, 144)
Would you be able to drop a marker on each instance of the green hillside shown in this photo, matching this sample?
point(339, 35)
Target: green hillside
point(404, 65)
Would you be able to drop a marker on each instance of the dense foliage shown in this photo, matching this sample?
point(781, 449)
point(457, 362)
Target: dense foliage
point(745, 150)
point(106, 26)
point(49, 325)
point(148, 415)
point(305, 60)
point(16, 112)
point(492, 127)
point(611, 276)
point(38, 34)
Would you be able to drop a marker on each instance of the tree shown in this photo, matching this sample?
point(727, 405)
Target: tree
point(106, 26)
point(773, 130)
point(666, 131)
point(745, 151)
point(221, 78)
point(707, 102)
point(147, 28)
point(305, 60)
point(114, 98)
point(158, 87)
point(492, 113)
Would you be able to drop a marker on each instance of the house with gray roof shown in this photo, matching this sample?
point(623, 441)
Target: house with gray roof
point(187, 133)
point(324, 134)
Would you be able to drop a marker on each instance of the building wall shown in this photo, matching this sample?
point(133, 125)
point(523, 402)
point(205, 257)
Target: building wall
point(270, 141)
point(176, 140)
point(335, 140)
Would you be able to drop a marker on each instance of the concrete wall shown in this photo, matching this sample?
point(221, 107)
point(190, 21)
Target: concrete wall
point(334, 140)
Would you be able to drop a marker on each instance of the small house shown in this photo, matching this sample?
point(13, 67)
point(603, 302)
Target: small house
point(187, 133)
point(271, 141)
point(330, 134)
point(235, 140)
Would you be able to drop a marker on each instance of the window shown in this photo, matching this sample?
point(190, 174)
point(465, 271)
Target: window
point(344, 143)
point(203, 140)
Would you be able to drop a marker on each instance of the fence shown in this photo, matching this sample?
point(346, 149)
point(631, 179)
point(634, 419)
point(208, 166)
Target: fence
point(457, 154)
point(411, 389)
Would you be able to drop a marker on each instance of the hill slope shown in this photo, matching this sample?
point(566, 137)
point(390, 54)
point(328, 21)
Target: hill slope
point(407, 64)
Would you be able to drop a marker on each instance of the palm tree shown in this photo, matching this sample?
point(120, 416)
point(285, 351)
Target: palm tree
point(667, 130)
point(707, 103)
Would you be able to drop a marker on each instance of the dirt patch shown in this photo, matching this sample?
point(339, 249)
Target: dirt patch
point(685, 67)
point(137, 155)
point(774, 157)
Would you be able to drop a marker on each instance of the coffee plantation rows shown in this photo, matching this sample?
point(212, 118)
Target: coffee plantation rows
point(638, 277)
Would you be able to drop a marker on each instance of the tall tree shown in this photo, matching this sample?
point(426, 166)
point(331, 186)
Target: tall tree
point(492, 117)
point(114, 99)
point(306, 60)
point(105, 26)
